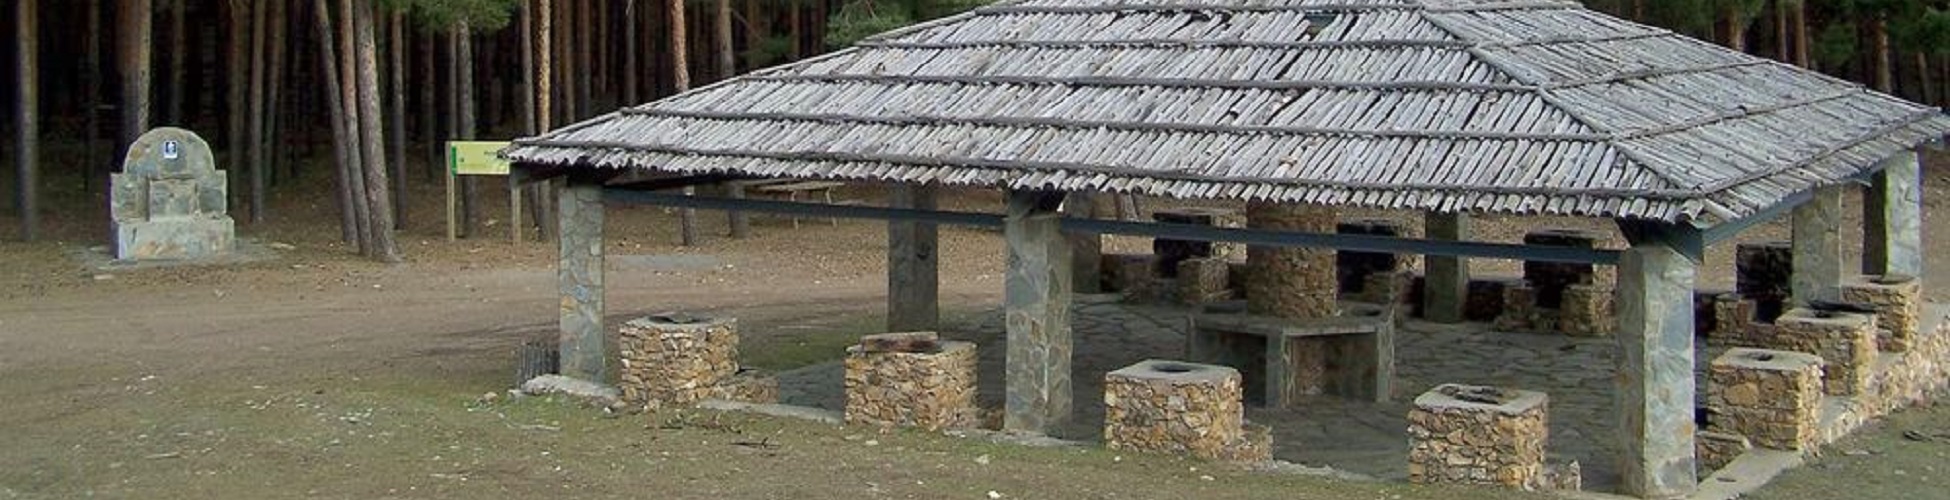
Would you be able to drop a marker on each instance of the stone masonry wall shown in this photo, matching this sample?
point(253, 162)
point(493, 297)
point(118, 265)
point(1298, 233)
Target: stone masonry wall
point(1292, 283)
point(676, 359)
point(1898, 303)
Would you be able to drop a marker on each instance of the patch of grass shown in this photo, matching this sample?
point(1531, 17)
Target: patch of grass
point(798, 346)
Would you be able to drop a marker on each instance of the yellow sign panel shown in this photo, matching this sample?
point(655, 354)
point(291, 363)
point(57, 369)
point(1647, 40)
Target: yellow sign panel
point(476, 158)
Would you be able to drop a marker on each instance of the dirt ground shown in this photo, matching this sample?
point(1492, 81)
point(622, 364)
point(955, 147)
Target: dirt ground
point(317, 374)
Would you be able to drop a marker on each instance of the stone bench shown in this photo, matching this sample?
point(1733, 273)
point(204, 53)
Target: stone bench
point(1359, 361)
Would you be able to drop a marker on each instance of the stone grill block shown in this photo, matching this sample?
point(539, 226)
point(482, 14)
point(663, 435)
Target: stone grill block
point(1172, 407)
point(1485, 300)
point(1845, 341)
point(932, 390)
point(1131, 273)
point(676, 359)
point(1770, 397)
point(1171, 252)
point(1520, 312)
point(1550, 278)
point(1464, 434)
point(1587, 311)
point(1397, 287)
point(1762, 273)
point(1354, 268)
point(1202, 280)
point(1898, 302)
point(1714, 450)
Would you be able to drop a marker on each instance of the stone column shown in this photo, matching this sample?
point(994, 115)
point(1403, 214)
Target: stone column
point(1445, 286)
point(1655, 373)
point(913, 281)
point(1036, 305)
point(1817, 246)
point(1892, 216)
point(1290, 282)
point(1086, 249)
point(579, 278)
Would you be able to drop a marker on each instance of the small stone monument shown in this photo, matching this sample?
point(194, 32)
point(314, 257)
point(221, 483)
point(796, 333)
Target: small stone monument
point(169, 202)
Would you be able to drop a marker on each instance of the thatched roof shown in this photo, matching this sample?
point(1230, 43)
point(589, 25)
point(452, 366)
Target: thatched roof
point(1510, 106)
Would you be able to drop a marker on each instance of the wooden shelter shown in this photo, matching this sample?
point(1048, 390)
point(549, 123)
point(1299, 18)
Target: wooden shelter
point(1451, 107)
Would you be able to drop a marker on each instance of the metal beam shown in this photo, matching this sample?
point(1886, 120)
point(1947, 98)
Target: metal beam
point(1189, 232)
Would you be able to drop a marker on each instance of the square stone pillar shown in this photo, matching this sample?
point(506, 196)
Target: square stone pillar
point(1773, 398)
point(1445, 278)
point(913, 281)
point(1036, 307)
point(1892, 216)
point(1655, 378)
point(1817, 247)
point(1461, 434)
point(579, 279)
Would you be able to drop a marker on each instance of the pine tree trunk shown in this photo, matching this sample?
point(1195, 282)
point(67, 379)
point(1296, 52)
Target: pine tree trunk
point(727, 54)
point(27, 149)
point(372, 138)
point(631, 54)
point(396, 114)
point(681, 75)
point(1783, 46)
point(135, 20)
point(341, 139)
point(355, 154)
point(526, 24)
point(1885, 76)
point(1923, 73)
point(1736, 30)
point(274, 77)
point(430, 108)
point(179, 48)
point(1802, 51)
point(795, 29)
point(93, 170)
point(470, 186)
point(570, 45)
point(543, 194)
point(254, 150)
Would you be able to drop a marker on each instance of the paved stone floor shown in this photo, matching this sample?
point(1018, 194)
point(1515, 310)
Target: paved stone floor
point(1355, 436)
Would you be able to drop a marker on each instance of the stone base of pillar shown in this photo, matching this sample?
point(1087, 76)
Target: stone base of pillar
point(1898, 303)
point(1478, 435)
point(1846, 342)
point(1771, 398)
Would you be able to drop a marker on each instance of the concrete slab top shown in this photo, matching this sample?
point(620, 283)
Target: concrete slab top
point(1176, 372)
point(1829, 318)
point(676, 320)
point(1766, 359)
point(1473, 397)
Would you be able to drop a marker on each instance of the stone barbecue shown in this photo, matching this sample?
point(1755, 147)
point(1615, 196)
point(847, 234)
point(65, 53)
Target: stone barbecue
point(928, 384)
point(1772, 398)
point(1478, 435)
point(678, 359)
point(1173, 407)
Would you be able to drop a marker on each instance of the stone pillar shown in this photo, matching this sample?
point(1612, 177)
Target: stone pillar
point(1817, 247)
point(1354, 268)
point(913, 282)
point(1773, 398)
point(1550, 278)
point(1086, 249)
point(1892, 216)
point(1460, 434)
point(1290, 282)
point(1846, 341)
point(1762, 272)
point(1655, 373)
point(1036, 306)
point(931, 388)
point(579, 279)
point(1898, 303)
point(1180, 408)
point(1446, 278)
